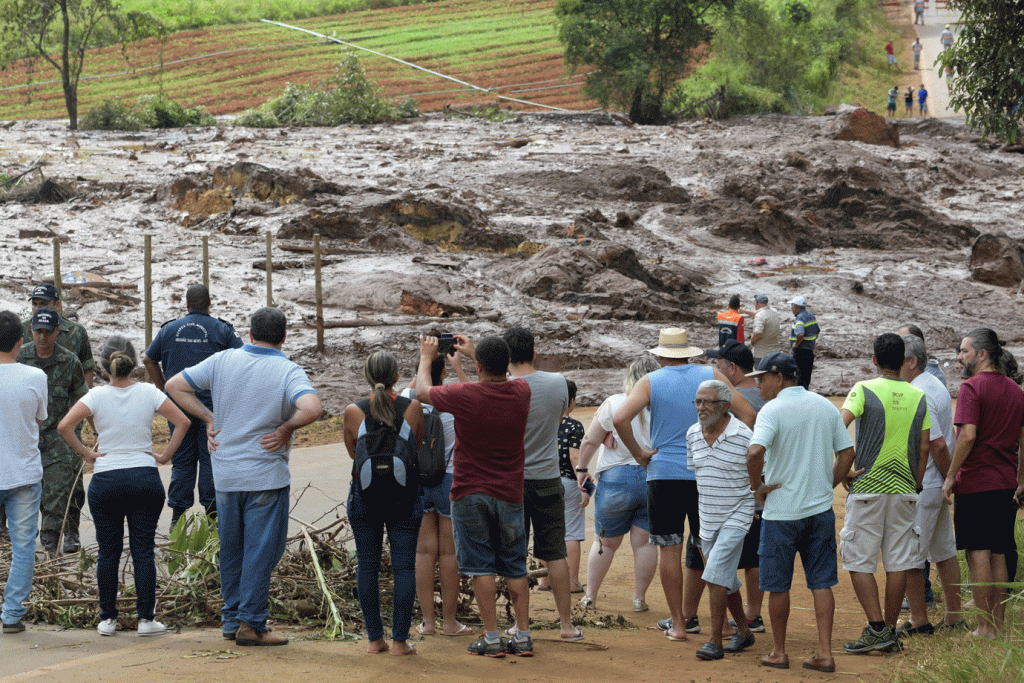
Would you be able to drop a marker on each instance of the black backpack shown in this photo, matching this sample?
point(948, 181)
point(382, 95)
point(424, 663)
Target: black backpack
point(385, 471)
point(433, 462)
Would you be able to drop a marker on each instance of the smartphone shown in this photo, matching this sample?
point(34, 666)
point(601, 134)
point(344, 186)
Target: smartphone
point(446, 344)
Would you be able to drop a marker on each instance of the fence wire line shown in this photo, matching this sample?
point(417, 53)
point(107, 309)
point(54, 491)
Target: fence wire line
point(564, 84)
point(165, 64)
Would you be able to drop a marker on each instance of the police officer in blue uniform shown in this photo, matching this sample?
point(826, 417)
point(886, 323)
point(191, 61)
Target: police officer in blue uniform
point(803, 337)
point(181, 344)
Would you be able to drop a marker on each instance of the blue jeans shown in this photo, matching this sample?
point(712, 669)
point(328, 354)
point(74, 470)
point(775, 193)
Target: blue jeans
point(192, 451)
point(135, 494)
point(253, 528)
point(403, 528)
point(22, 507)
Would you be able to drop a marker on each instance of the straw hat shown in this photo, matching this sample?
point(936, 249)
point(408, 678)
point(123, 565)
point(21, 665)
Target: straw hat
point(672, 343)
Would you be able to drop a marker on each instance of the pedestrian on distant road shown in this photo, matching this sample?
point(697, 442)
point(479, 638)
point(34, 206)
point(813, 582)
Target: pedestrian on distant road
point(917, 47)
point(922, 101)
point(919, 6)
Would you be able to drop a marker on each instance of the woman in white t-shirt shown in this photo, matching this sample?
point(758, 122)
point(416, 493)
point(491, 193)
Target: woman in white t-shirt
point(125, 482)
point(620, 504)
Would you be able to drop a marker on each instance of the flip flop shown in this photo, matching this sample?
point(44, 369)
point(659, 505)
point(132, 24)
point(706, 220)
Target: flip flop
point(573, 639)
point(422, 632)
point(464, 631)
point(674, 638)
point(544, 588)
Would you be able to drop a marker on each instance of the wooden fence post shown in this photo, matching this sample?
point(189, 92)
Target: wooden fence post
point(148, 287)
point(319, 295)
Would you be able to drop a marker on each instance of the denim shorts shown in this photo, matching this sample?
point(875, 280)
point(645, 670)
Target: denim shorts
point(621, 501)
point(437, 498)
point(490, 536)
point(813, 537)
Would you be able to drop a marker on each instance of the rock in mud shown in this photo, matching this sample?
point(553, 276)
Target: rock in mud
point(861, 125)
point(997, 260)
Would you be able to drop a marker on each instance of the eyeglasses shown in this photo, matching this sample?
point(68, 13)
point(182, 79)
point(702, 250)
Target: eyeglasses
point(701, 402)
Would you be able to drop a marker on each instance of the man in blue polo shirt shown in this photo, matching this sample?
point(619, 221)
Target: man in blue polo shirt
point(259, 399)
point(181, 344)
point(795, 436)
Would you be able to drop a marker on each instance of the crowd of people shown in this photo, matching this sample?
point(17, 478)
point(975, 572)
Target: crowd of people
point(720, 473)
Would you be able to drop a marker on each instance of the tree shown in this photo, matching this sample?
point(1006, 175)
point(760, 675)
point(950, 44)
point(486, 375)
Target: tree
point(640, 48)
point(61, 31)
point(987, 61)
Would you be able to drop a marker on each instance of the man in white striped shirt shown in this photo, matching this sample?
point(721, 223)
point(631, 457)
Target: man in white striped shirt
point(717, 452)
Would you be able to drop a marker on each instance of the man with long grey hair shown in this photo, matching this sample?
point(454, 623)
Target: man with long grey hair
point(934, 522)
point(717, 452)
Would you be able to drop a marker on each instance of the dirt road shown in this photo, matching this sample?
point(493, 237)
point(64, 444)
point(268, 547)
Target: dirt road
point(47, 653)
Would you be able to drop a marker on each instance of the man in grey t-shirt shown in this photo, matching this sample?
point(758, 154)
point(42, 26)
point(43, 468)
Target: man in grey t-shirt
point(259, 399)
point(543, 497)
point(764, 330)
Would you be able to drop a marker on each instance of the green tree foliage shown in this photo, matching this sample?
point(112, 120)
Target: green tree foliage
point(347, 97)
point(60, 31)
point(773, 56)
point(987, 61)
point(640, 48)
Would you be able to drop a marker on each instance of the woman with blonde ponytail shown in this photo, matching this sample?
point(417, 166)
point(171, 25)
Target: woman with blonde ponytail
point(125, 483)
point(368, 518)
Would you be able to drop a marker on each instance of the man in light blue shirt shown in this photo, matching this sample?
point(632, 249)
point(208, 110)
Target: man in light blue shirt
point(795, 436)
point(259, 399)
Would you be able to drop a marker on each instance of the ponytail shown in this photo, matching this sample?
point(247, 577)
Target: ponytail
point(381, 371)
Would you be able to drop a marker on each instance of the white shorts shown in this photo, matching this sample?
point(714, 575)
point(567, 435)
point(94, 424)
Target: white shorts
point(722, 557)
point(575, 521)
point(938, 542)
point(880, 523)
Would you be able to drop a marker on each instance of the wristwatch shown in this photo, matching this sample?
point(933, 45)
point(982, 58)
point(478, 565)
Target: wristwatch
point(581, 469)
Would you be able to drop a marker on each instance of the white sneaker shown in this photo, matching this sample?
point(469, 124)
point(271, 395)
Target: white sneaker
point(107, 627)
point(148, 627)
point(639, 605)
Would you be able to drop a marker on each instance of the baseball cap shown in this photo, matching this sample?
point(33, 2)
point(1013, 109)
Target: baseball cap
point(45, 291)
point(761, 298)
point(735, 352)
point(45, 319)
point(777, 363)
point(797, 301)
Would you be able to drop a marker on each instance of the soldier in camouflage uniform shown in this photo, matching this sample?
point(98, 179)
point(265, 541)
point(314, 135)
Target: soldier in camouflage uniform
point(70, 335)
point(61, 466)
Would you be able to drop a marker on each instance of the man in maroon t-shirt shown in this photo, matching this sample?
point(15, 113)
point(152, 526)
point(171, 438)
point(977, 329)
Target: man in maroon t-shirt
point(987, 472)
point(487, 485)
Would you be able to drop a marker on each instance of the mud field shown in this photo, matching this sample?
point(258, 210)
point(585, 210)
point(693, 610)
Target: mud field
point(592, 233)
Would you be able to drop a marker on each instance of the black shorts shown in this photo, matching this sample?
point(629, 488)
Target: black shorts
point(671, 503)
point(544, 506)
point(749, 559)
point(694, 558)
point(985, 521)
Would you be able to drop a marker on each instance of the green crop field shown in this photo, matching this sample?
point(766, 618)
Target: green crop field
point(493, 44)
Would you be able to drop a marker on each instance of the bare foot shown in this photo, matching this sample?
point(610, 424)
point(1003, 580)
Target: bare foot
point(400, 647)
point(378, 646)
